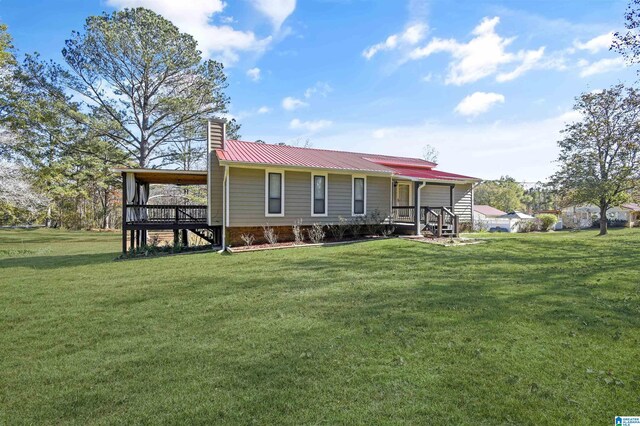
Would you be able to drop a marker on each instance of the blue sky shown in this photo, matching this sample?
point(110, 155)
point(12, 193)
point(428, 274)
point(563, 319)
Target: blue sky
point(488, 83)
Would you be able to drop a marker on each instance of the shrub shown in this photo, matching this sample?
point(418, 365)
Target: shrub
point(269, 234)
point(339, 229)
point(248, 239)
point(373, 223)
point(547, 221)
point(297, 232)
point(316, 233)
point(528, 226)
point(356, 226)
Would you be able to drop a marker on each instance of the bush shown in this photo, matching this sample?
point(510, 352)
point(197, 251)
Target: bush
point(339, 229)
point(528, 226)
point(248, 239)
point(547, 221)
point(270, 235)
point(297, 232)
point(316, 233)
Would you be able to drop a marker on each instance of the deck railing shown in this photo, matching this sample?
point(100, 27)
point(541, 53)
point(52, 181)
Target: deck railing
point(167, 213)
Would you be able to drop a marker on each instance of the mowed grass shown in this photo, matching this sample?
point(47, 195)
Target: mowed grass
point(523, 329)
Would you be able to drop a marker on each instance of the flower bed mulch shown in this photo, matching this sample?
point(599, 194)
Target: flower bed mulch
point(291, 244)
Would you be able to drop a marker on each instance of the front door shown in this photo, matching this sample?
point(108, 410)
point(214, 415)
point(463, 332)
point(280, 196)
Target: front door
point(403, 194)
point(403, 199)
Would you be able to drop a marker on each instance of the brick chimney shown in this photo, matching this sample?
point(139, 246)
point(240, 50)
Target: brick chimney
point(216, 133)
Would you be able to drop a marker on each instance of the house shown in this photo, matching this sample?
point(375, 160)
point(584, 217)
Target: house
point(585, 215)
point(483, 211)
point(490, 219)
point(252, 184)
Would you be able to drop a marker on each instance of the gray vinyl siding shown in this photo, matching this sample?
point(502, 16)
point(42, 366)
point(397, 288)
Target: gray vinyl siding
point(216, 181)
point(247, 197)
point(435, 196)
point(439, 195)
point(462, 202)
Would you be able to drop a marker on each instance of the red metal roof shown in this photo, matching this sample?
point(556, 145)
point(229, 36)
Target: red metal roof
point(284, 155)
point(420, 173)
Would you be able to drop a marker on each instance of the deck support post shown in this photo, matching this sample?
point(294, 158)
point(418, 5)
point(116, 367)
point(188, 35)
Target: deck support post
point(176, 238)
point(185, 238)
point(124, 213)
point(132, 240)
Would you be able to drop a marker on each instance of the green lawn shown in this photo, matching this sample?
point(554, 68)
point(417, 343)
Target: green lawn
point(524, 329)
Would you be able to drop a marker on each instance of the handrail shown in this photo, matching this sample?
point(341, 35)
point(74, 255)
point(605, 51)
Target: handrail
point(168, 206)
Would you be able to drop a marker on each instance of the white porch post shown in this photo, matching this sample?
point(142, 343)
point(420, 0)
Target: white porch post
point(419, 186)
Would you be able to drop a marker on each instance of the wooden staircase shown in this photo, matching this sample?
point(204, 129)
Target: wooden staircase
point(440, 221)
point(211, 234)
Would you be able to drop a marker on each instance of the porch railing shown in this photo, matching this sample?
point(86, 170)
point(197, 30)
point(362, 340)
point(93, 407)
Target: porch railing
point(403, 213)
point(168, 213)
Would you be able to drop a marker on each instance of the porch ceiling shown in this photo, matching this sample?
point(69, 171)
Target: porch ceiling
point(176, 177)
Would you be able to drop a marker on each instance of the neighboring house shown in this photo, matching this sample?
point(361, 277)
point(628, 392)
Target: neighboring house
point(584, 216)
point(495, 220)
point(252, 184)
point(483, 211)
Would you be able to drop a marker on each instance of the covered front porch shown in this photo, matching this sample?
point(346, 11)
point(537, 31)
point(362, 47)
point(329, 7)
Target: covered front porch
point(409, 212)
point(139, 216)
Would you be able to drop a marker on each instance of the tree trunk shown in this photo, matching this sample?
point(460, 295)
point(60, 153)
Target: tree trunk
point(603, 219)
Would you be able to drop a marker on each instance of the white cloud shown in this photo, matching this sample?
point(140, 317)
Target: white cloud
point(310, 126)
point(290, 103)
point(321, 88)
point(530, 59)
point(412, 35)
point(379, 133)
point(427, 78)
point(601, 66)
point(254, 74)
point(194, 17)
point(523, 149)
point(482, 56)
point(596, 44)
point(264, 110)
point(276, 10)
point(478, 102)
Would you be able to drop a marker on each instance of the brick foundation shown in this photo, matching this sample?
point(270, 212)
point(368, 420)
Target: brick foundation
point(285, 233)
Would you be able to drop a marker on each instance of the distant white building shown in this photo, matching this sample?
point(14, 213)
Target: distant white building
point(483, 211)
point(583, 216)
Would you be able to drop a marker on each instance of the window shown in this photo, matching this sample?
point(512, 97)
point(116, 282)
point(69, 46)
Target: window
point(274, 194)
point(359, 205)
point(319, 195)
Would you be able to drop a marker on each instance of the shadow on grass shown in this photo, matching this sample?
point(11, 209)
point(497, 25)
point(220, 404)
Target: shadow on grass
point(56, 262)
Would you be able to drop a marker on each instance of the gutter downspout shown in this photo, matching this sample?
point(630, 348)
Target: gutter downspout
point(418, 209)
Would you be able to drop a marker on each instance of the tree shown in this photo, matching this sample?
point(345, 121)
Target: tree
point(49, 137)
point(628, 43)
point(505, 194)
point(143, 81)
point(430, 153)
point(540, 197)
point(19, 202)
point(600, 155)
point(7, 67)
